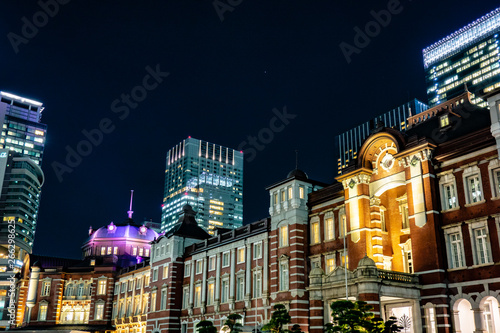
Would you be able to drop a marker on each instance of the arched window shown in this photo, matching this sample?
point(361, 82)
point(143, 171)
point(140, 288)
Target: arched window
point(69, 289)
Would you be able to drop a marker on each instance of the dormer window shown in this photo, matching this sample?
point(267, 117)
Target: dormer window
point(444, 121)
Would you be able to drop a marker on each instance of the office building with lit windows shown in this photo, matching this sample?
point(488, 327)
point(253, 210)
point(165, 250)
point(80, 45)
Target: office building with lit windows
point(207, 176)
point(468, 57)
point(22, 130)
point(349, 142)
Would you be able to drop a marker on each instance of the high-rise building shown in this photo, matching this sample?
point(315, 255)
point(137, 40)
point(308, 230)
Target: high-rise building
point(22, 130)
point(207, 176)
point(468, 57)
point(349, 142)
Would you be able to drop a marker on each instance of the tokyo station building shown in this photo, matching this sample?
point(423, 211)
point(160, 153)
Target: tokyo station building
point(412, 227)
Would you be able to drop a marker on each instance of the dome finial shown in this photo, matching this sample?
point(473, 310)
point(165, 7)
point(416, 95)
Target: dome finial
point(130, 212)
point(296, 159)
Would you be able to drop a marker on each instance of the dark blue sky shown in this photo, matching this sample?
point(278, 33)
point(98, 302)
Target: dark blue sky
point(225, 78)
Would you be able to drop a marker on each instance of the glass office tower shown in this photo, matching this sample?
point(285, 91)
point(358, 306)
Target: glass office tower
point(350, 141)
point(468, 57)
point(207, 176)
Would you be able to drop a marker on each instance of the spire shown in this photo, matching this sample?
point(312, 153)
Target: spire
point(130, 212)
point(296, 159)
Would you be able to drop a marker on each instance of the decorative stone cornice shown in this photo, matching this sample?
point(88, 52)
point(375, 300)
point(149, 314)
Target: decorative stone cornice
point(413, 159)
point(374, 201)
point(355, 180)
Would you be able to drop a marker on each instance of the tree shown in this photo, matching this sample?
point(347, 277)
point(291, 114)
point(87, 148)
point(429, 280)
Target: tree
point(206, 326)
point(296, 329)
point(355, 317)
point(232, 324)
point(279, 318)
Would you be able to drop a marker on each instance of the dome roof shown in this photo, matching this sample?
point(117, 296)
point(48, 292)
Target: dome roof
point(131, 231)
point(366, 262)
point(297, 173)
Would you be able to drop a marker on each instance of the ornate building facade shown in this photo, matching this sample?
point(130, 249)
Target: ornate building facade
point(412, 227)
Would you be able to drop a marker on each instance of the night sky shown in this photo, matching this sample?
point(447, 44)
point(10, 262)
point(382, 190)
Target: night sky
point(216, 80)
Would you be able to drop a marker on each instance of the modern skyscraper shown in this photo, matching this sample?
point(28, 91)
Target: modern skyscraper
point(469, 57)
point(350, 141)
point(207, 176)
point(21, 128)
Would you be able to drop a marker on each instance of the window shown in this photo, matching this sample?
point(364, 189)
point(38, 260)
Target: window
point(211, 263)
point(444, 121)
point(211, 293)
point(45, 289)
point(329, 263)
point(257, 250)
point(163, 299)
point(101, 287)
point(329, 226)
point(472, 185)
point(301, 192)
point(480, 242)
point(454, 245)
point(155, 274)
point(109, 250)
point(124, 287)
point(383, 224)
point(115, 310)
point(283, 234)
point(283, 195)
point(240, 288)
point(153, 301)
point(199, 266)
point(225, 259)
point(225, 291)
point(165, 272)
point(117, 288)
point(185, 297)
point(99, 311)
point(141, 251)
point(240, 258)
point(115, 250)
point(275, 196)
point(407, 257)
point(80, 290)
point(430, 314)
point(103, 250)
point(146, 280)
point(197, 295)
point(283, 274)
point(187, 269)
point(315, 236)
point(405, 219)
point(257, 283)
point(130, 285)
point(146, 254)
point(138, 284)
point(290, 193)
point(42, 312)
point(344, 259)
point(494, 170)
point(134, 251)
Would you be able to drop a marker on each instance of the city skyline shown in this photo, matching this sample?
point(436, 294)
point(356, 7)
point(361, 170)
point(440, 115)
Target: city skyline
point(183, 68)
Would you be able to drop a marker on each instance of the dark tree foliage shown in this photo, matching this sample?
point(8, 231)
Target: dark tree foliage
point(206, 326)
point(355, 317)
point(232, 323)
point(279, 318)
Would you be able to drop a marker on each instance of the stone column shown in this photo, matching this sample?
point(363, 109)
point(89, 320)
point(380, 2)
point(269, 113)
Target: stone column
point(32, 291)
point(478, 321)
point(456, 321)
point(217, 283)
point(232, 279)
point(248, 274)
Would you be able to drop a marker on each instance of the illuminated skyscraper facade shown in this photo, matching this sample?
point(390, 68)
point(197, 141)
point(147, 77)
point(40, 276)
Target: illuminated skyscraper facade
point(207, 176)
point(349, 142)
point(469, 56)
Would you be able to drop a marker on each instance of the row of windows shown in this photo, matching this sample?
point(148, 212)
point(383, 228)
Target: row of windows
point(225, 260)
point(129, 285)
point(133, 306)
point(75, 289)
point(287, 194)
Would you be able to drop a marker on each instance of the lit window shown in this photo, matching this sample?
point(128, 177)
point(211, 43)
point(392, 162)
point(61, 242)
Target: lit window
point(275, 196)
point(141, 251)
point(211, 293)
point(403, 211)
point(283, 195)
point(165, 272)
point(199, 266)
point(315, 236)
point(109, 250)
point(115, 250)
point(329, 226)
point(257, 250)
point(147, 253)
point(134, 251)
point(430, 314)
point(330, 263)
point(301, 192)
point(101, 287)
point(444, 121)
point(42, 312)
point(290, 193)
point(153, 301)
point(407, 257)
point(103, 251)
point(241, 255)
point(283, 233)
point(99, 311)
